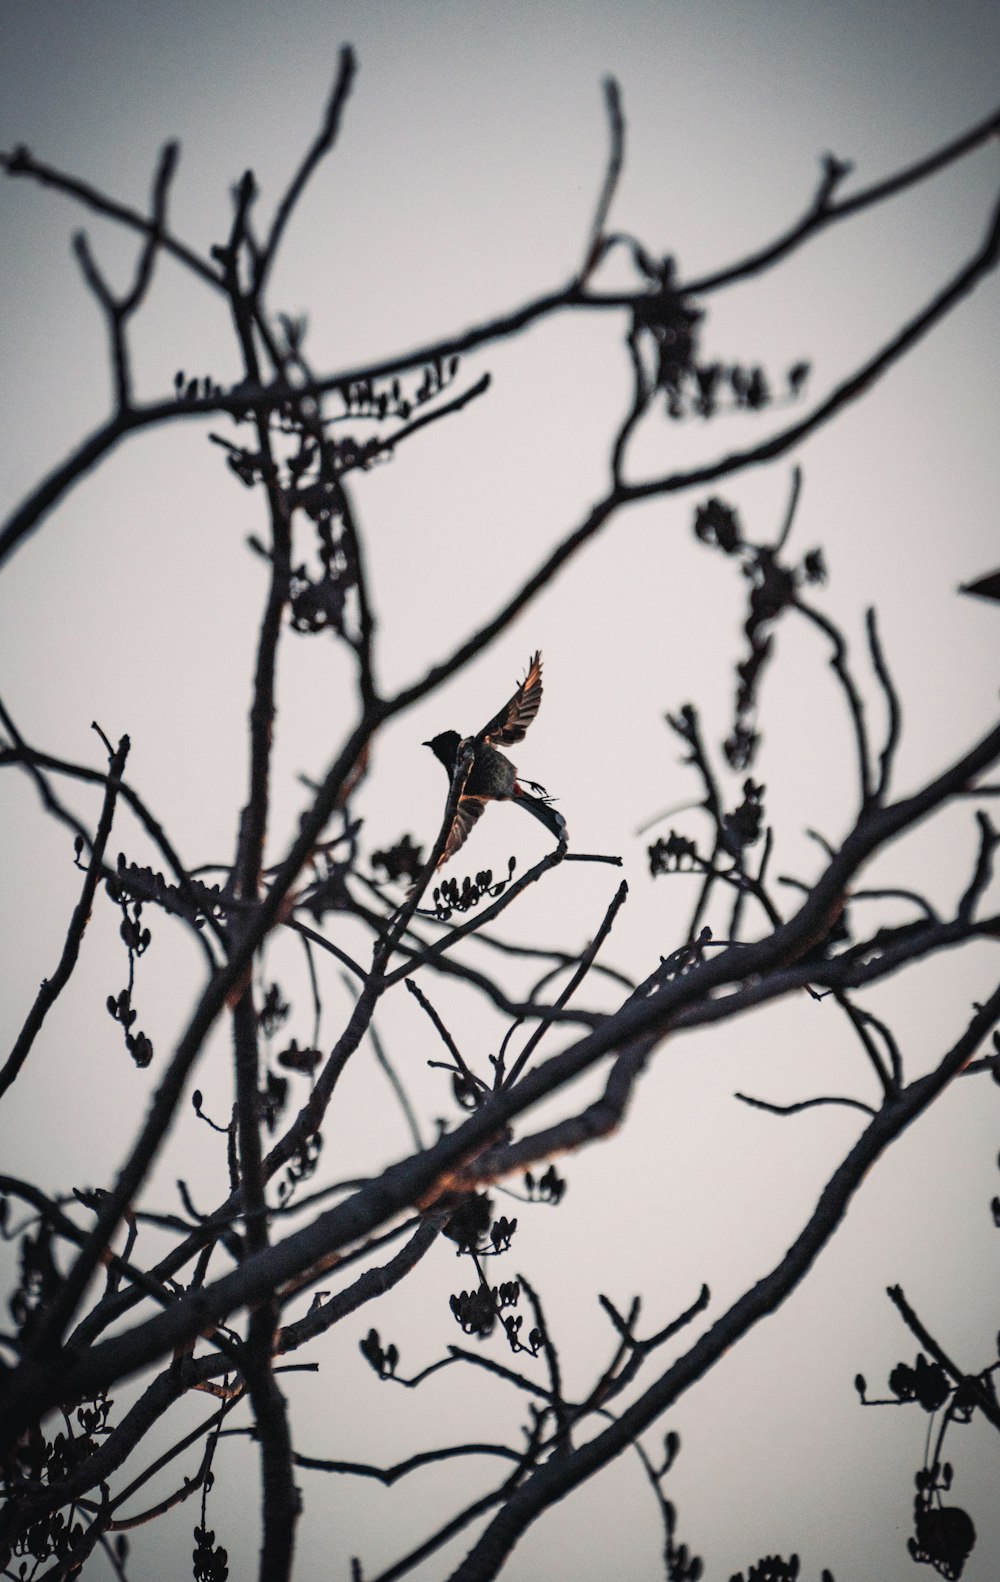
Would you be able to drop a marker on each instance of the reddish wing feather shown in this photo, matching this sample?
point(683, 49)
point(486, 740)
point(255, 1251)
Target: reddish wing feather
point(469, 809)
point(510, 724)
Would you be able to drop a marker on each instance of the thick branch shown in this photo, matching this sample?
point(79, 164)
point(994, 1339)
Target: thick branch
point(561, 1474)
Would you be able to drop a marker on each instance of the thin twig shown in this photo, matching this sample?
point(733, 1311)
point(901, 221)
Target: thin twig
point(823, 213)
point(803, 1104)
point(50, 988)
point(323, 142)
point(583, 967)
point(888, 753)
point(616, 159)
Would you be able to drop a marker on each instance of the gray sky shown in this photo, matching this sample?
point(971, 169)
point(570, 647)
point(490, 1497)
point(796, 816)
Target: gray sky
point(464, 182)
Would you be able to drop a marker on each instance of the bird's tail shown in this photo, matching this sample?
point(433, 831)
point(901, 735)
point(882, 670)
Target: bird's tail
point(543, 810)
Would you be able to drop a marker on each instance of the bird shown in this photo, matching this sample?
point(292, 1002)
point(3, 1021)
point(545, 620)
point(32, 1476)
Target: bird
point(492, 777)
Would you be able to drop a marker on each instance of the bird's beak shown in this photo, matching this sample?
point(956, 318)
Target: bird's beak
point(425, 744)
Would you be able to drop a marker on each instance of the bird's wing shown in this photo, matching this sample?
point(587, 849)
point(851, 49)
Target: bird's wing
point(469, 809)
point(510, 724)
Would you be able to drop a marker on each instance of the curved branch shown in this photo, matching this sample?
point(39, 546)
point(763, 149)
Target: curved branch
point(822, 213)
point(35, 1385)
point(559, 1475)
point(324, 141)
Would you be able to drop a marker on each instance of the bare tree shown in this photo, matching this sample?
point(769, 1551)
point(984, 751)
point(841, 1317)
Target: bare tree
point(112, 1288)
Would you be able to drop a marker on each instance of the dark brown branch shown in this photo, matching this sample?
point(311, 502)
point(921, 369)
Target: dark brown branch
point(417, 952)
point(315, 938)
point(989, 839)
point(861, 1021)
point(616, 1377)
point(170, 1501)
point(220, 986)
point(164, 1460)
point(21, 754)
point(641, 396)
point(103, 440)
point(112, 1451)
point(389, 443)
point(366, 618)
point(144, 1283)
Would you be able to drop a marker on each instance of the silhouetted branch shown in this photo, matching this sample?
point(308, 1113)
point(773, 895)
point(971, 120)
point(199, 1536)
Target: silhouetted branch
point(989, 839)
point(584, 966)
point(488, 913)
point(965, 280)
point(118, 310)
point(861, 1021)
point(855, 703)
point(794, 496)
point(616, 158)
point(390, 1475)
point(822, 212)
point(371, 1284)
point(324, 141)
point(36, 761)
point(458, 1058)
point(299, 460)
point(21, 162)
point(51, 988)
point(397, 1087)
point(888, 752)
point(803, 1104)
point(983, 1397)
point(559, 1475)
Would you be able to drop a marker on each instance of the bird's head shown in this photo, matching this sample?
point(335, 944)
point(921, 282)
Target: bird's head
point(445, 748)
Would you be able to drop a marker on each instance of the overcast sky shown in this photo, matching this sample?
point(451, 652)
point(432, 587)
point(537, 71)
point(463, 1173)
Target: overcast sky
point(463, 183)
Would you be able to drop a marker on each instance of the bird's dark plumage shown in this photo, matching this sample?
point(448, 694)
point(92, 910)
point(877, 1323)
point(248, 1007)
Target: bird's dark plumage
point(492, 776)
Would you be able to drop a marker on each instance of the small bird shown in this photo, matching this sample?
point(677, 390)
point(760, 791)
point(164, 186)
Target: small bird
point(492, 777)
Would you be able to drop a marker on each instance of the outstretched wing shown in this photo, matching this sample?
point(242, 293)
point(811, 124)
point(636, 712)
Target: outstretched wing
point(469, 809)
point(510, 724)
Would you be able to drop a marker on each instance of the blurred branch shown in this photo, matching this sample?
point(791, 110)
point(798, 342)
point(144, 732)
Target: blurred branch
point(803, 1104)
point(423, 1458)
point(324, 141)
point(118, 310)
point(888, 753)
point(616, 159)
point(822, 212)
point(21, 162)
